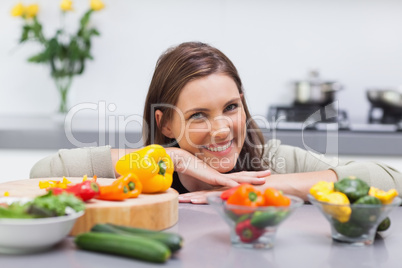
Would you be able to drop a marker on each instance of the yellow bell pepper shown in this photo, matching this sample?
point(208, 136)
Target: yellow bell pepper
point(385, 197)
point(54, 184)
point(342, 211)
point(321, 189)
point(152, 165)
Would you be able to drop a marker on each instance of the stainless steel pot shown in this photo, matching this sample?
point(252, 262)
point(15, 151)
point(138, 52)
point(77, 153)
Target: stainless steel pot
point(385, 98)
point(314, 91)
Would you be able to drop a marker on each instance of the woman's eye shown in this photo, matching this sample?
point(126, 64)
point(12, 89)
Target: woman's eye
point(196, 116)
point(231, 107)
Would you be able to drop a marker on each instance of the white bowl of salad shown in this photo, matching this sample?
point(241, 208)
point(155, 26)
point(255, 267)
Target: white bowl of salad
point(30, 225)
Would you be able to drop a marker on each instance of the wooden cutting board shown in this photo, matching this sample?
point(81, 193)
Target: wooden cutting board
point(151, 211)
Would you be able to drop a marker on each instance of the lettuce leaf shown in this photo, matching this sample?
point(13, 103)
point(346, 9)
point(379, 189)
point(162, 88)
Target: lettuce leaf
point(43, 206)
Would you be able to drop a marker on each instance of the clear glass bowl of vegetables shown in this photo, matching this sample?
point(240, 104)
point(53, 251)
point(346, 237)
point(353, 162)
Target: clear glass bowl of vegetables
point(355, 211)
point(253, 216)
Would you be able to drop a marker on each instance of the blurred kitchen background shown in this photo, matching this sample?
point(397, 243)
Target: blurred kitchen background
point(274, 44)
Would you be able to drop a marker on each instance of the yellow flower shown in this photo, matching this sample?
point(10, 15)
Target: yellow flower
point(66, 5)
point(31, 11)
point(6, 194)
point(18, 10)
point(97, 5)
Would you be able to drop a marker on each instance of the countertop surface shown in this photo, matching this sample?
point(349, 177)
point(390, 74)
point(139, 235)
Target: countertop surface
point(303, 240)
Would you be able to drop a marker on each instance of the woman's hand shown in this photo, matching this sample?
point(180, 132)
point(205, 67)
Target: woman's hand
point(199, 197)
point(297, 184)
point(196, 175)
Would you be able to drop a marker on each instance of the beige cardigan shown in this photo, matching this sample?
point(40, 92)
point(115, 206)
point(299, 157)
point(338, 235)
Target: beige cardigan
point(282, 159)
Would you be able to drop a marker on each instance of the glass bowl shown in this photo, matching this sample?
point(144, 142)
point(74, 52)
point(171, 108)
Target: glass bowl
point(354, 224)
point(253, 227)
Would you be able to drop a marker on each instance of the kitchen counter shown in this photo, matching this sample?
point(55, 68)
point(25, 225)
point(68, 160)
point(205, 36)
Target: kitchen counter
point(303, 240)
point(47, 133)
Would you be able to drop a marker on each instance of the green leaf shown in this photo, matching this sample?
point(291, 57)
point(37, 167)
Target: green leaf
point(37, 29)
point(39, 58)
point(85, 19)
point(93, 31)
point(74, 50)
point(53, 47)
point(82, 67)
point(25, 33)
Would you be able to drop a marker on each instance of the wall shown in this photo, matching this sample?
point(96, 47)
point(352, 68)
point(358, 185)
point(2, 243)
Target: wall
point(358, 43)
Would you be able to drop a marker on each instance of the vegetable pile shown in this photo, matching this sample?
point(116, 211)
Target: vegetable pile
point(253, 211)
point(349, 218)
point(48, 205)
point(148, 170)
point(137, 243)
point(86, 190)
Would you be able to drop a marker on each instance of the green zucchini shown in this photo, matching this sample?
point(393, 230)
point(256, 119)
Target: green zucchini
point(136, 247)
point(173, 241)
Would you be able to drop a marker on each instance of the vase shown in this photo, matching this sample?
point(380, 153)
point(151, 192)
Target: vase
point(63, 84)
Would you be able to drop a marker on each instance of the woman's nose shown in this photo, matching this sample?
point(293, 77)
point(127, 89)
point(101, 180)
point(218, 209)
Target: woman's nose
point(220, 129)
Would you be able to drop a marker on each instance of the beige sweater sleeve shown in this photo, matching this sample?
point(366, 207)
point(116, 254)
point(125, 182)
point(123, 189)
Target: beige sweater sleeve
point(284, 159)
point(76, 163)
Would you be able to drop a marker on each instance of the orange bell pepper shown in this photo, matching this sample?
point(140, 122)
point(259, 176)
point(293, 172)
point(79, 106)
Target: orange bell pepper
point(128, 186)
point(275, 198)
point(246, 195)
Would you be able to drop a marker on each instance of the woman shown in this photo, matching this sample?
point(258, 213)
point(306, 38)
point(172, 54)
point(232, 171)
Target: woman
point(196, 108)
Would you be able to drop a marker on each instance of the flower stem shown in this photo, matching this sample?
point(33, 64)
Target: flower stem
point(63, 85)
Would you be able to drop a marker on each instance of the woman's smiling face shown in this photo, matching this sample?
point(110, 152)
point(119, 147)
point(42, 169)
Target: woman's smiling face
point(209, 121)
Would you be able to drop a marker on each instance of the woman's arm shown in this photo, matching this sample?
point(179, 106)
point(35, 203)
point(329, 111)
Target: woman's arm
point(195, 174)
point(297, 184)
point(76, 163)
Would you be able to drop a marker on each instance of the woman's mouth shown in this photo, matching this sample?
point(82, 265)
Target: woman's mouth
point(218, 148)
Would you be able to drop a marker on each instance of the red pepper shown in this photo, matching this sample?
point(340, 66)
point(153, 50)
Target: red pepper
point(85, 190)
point(225, 194)
point(247, 232)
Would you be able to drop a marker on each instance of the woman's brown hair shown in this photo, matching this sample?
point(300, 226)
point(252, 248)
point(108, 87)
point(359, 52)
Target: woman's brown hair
point(174, 69)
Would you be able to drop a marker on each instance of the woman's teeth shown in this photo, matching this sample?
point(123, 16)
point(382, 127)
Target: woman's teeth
point(219, 148)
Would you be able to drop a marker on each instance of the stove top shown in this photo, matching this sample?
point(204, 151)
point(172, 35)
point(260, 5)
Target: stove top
point(329, 117)
point(308, 117)
point(380, 115)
